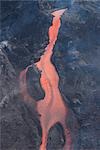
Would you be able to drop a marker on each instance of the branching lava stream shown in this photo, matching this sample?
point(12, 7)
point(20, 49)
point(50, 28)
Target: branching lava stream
point(52, 108)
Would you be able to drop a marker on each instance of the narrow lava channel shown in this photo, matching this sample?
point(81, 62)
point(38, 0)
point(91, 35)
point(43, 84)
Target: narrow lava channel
point(52, 108)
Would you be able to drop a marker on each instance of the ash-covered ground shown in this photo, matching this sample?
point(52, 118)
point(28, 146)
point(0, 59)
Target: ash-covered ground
point(24, 35)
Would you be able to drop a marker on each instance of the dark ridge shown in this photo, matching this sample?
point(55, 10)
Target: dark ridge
point(33, 84)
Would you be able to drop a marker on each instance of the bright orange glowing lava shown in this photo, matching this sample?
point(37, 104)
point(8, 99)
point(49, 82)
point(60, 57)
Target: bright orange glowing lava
point(52, 108)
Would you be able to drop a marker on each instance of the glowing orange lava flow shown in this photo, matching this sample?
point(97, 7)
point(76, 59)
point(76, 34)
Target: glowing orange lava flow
point(52, 108)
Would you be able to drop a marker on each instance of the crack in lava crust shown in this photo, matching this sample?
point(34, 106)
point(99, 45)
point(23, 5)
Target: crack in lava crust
point(52, 109)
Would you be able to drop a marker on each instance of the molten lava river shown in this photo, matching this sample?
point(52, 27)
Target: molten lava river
point(52, 108)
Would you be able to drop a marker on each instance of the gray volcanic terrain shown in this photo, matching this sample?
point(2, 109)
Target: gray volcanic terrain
point(24, 36)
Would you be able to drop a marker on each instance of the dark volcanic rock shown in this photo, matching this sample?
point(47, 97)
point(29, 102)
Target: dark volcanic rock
point(33, 83)
point(7, 77)
point(77, 59)
point(19, 126)
point(76, 56)
point(25, 26)
point(18, 120)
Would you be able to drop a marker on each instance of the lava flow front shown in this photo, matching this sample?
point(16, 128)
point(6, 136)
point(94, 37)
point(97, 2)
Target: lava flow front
point(52, 108)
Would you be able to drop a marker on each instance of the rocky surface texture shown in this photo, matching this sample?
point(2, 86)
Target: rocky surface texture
point(24, 28)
